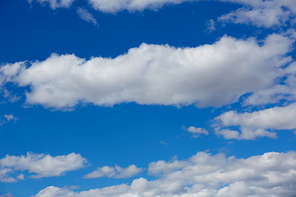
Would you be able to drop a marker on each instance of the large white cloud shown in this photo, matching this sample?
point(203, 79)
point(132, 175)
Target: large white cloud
point(117, 172)
point(262, 13)
point(39, 164)
point(208, 75)
point(255, 124)
point(270, 174)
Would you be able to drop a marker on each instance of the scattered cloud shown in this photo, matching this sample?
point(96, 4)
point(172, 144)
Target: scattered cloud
point(54, 4)
point(196, 131)
point(208, 75)
point(4, 177)
point(113, 6)
point(261, 13)
point(256, 124)
point(116, 172)
point(86, 16)
point(39, 164)
point(21, 177)
point(270, 174)
point(210, 26)
point(10, 117)
point(6, 195)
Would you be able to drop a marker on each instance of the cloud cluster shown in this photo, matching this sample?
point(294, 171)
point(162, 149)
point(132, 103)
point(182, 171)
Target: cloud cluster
point(256, 123)
point(39, 164)
point(270, 174)
point(261, 13)
point(256, 12)
point(116, 172)
point(208, 75)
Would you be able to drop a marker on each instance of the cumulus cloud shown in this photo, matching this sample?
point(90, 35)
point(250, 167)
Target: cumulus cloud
point(208, 75)
point(257, 124)
point(86, 16)
point(261, 13)
point(270, 174)
point(39, 164)
point(116, 172)
point(54, 4)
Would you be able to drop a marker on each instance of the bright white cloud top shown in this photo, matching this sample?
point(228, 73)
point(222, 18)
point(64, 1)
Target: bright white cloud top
point(271, 174)
point(40, 165)
point(208, 75)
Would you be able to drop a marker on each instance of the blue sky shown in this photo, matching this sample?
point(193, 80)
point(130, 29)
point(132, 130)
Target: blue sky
point(147, 98)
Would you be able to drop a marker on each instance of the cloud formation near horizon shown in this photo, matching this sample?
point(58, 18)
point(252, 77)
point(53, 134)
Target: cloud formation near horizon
point(206, 175)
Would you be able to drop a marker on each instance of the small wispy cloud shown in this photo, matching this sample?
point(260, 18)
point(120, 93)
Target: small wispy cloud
point(86, 16)
point(210, 26)
point(196, 131)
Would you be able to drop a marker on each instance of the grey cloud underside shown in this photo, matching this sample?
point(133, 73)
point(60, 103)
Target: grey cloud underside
point(271, 174)
point(208, 75)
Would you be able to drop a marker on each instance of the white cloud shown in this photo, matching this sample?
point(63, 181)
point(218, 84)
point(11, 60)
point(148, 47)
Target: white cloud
point(100, 172)
point(4, 177)
point(54, 4)
point(6, 195)
point(210, 26)
point(20, 177)
point(86, 16)
point(130, 171)
point(10, 117)
point(116, 172)
point(40, 164)
point(261, 13)
point(284, 91)
point(113, 6)
point(197, 131)
point(255, 124)
point(270, 174)
point(208, 75)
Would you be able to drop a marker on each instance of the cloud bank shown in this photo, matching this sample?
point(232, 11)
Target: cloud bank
point(208, 75)
point(270, 174)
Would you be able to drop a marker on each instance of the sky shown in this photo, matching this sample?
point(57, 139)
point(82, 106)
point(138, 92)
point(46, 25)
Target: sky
point(147, 98)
